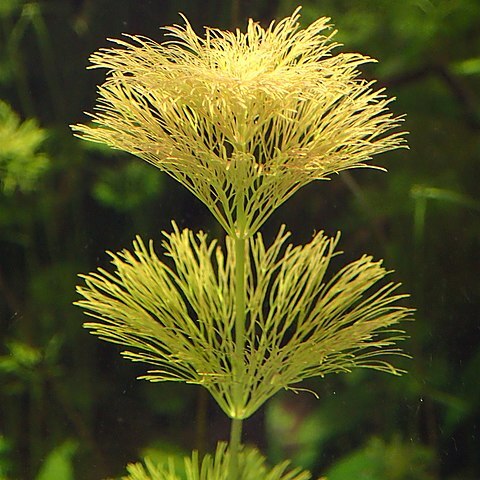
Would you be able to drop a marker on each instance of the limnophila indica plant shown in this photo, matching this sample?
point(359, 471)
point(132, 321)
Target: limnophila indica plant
point(243, 120)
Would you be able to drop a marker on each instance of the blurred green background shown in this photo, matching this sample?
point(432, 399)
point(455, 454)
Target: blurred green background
point(70, 407)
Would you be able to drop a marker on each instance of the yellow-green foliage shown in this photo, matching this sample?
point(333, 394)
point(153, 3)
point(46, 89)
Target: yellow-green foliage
point(180, 317)
point(243, 120)
point(21, 165)
point(216, 467)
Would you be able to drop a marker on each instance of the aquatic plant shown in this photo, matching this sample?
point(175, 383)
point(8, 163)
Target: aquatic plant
point(21, 164)
point(243, 120)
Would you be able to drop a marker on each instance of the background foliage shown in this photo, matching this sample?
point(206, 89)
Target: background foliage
point(70, 407)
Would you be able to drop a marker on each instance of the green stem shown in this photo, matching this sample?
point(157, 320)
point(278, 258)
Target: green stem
point(238, 366)
point(235, 445)
point(240, 305)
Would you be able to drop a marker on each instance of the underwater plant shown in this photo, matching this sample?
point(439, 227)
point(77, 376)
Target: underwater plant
point(21, 164)
point(243, 120)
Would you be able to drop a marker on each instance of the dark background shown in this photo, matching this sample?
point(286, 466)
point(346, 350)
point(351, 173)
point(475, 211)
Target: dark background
point(70, 407)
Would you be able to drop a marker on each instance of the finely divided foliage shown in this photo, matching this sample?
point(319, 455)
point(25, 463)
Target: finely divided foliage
point(216, 467)
point(180, 318)
point(243, 120)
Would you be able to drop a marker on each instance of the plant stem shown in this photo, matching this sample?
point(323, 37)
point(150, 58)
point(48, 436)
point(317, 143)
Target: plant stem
point(238, 366)
point(240, 307)
point(235, 444)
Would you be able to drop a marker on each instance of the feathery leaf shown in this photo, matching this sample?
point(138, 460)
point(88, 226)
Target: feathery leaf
point(180, 317)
